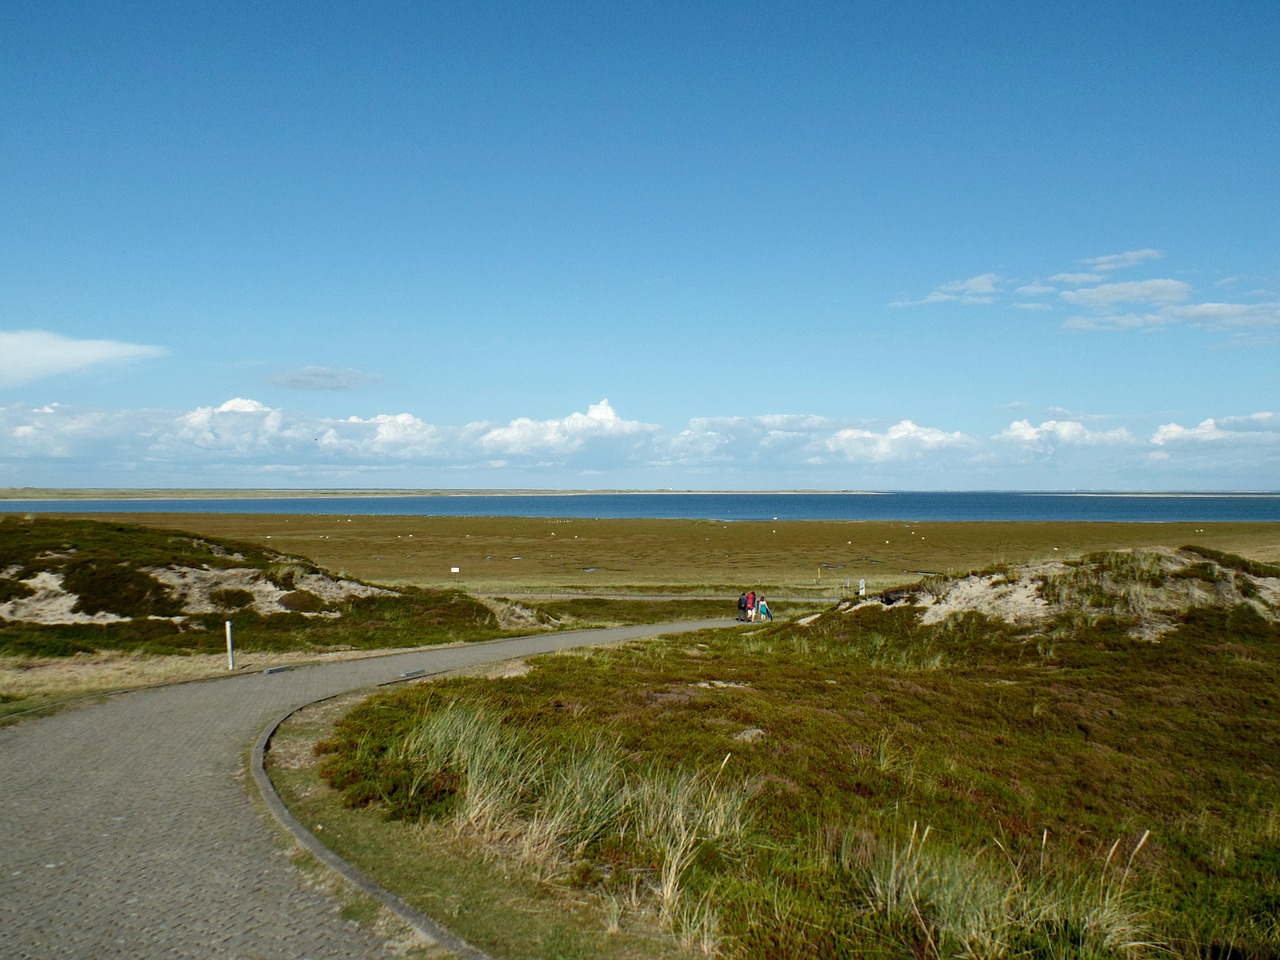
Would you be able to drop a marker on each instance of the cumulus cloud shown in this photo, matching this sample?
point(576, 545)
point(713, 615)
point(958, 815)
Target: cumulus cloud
point(322, 378)
point(525, 436)
point(243, 441)
point(245, 428)
point(30, 355)
point(903, 440)
point(1259, 428)
point(401, 436)
point(1053, 433)
point(238, 426)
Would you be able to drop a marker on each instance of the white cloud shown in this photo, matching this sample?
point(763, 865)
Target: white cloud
point(1173, 432)
point(1053, 433)
point(249, 429)
point(1116, 321)
point(1259, 428)
point(1243, 452)
point(243, 442)
point(1228, 314)
point(524, 436)
point(30, 355)
point(979, 289)
point(1128, 305)
point(55, 430)
point(903, 440)
point(775, 438)
point(1265, 422)
point(1208, 316)
point(980, 285)
point(1118, 261)
point(399, 435)
point(239, 425)
point(1075, 279)
point(1105, 295)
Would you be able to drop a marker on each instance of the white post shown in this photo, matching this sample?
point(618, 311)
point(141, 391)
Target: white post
point(231, 656)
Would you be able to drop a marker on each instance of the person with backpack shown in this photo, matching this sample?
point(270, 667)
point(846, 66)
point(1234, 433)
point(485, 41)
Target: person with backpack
point(742, 608)
point(751, 606)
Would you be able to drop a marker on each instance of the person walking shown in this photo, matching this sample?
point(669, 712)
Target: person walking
point(751, 606)
point(763, 606)
point(742, 608)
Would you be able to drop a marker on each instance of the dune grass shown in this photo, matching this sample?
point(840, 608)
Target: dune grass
point(968, 788)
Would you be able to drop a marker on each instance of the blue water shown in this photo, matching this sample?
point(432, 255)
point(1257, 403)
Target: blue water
point(906, 506)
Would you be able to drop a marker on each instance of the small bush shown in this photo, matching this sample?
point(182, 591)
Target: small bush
point(302, 601)
point(14, 590)
point(120, 589)
point(231, 598)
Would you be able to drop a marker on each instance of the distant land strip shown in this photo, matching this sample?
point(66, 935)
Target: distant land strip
point(47, 493)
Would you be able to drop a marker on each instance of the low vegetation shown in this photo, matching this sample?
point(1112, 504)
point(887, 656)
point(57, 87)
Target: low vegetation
point(89, 606)
point(524, 555)
point(80, 587)
point(1089, 767)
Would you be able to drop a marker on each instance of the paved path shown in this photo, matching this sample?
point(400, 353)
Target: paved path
point(127, 828)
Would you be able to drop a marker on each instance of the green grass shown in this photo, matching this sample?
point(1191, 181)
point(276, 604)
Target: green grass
point(963, 789)
point(504, 908)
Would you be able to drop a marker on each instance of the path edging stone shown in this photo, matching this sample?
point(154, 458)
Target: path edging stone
point(415, 918)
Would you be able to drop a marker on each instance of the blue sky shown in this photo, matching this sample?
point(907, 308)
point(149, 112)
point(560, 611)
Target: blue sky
point(717, 245)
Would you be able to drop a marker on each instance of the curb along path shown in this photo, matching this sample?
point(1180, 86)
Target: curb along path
point(126, 828)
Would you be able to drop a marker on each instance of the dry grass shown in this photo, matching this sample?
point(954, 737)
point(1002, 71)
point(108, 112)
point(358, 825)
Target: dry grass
point(35, 679)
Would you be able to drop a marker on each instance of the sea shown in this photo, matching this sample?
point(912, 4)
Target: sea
point(907, 506)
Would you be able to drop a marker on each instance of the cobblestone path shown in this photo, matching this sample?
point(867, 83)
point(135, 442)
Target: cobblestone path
point(127, 828)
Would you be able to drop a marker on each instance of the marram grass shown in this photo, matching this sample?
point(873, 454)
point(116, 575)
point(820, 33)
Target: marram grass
point(870, 785)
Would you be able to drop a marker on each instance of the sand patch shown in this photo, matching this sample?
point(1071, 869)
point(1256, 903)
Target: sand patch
point(51, 603)
point(1016, 601)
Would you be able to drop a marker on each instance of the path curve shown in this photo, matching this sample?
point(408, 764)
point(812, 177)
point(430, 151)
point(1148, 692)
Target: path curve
point(127, 830)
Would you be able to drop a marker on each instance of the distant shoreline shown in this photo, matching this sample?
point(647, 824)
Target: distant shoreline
point(40, 494)
point(34, 494)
